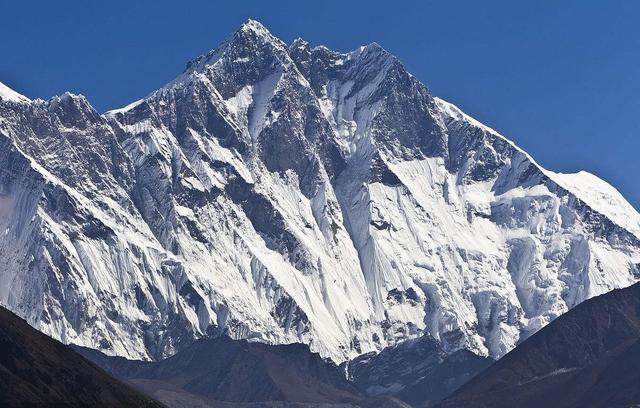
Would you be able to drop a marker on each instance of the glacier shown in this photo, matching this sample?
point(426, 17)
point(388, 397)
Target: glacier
point(288, 193)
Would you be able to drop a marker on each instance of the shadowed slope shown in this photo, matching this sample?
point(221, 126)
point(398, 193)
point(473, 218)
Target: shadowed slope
point(37, 370)
point(225, 372)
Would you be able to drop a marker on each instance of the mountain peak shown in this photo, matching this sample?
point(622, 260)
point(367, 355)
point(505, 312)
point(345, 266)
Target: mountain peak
point(254, 26)
point(252, 31)
point(374, 46)
point(299, 43)
point(249, 37)
point(371, 50)
point(296, 195)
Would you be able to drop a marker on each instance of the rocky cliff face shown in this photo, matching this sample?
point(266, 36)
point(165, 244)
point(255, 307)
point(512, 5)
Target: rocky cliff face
point(293, 194)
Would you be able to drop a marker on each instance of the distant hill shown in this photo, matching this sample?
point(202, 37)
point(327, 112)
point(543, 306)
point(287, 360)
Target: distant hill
point(223, 372)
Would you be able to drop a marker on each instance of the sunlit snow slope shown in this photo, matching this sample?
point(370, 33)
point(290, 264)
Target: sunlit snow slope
point(293, 194)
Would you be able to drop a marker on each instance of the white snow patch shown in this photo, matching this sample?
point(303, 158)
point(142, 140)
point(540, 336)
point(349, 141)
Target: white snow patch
point(9, 94)
point(126, 108)
point(602, 197)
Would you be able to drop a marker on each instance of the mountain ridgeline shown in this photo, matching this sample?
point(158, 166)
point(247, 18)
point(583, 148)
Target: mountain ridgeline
point(288, 193)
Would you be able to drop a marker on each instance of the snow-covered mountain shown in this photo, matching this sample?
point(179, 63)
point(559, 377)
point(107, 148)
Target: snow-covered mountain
point(293, 194)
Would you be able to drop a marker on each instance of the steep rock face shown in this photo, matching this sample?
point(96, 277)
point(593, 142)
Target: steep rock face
point(293, 194)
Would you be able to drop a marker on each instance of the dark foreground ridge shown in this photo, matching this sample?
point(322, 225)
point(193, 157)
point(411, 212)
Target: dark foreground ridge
point(587, 357)
point(36, 370)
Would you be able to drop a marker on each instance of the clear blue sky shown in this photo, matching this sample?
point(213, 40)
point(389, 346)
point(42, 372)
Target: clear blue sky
point(560, 78)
